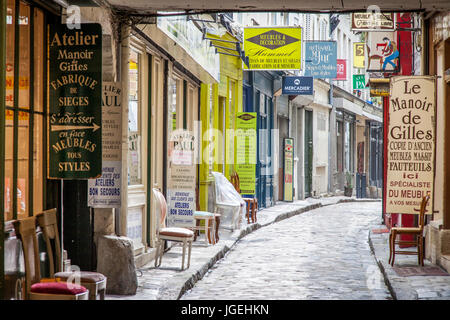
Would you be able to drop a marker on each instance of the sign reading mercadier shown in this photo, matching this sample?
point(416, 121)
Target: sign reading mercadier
point(411, 143)
point(75, 102)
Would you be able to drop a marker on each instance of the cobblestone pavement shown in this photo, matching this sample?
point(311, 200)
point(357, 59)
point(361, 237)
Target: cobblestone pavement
point(408, 288)
point(320, 254)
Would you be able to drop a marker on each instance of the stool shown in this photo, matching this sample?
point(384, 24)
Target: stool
point(209, 227)
point(253, 203)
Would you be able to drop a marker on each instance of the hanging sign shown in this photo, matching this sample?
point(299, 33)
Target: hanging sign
point(75, 100)
point(273, 48)
point(321, 59)
point(379, 87)
point(288, 170)
point(181, 179)
point(382, 52)
point(246, 142)
point(104, 192)
point(294, 85)
point(359, 81)
point(359, 53)
point(341, 69)
point(411, 143)
point(373, 21)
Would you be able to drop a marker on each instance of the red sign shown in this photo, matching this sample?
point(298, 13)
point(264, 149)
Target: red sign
point(341, 69)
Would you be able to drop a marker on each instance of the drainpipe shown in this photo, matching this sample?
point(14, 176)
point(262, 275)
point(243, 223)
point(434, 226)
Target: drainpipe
point(124, 57)
point(331, 141)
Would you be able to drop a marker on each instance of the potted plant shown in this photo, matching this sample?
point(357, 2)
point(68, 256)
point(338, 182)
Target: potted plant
point(348, 188)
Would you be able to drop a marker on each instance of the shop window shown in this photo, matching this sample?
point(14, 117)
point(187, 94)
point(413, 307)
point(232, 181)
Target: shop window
point(134, 125)
point(175, 107)
point(24, 118)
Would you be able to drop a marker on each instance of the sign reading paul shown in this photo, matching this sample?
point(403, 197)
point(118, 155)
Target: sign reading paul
point(181, 179)
point(75, 101)
point(411, 143)
point(273, 48)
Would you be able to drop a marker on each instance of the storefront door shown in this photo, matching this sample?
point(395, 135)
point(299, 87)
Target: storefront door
point(308, 152)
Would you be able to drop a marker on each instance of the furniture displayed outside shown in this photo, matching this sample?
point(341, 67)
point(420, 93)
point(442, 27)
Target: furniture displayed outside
point(183, 236)
point(228, 202)
point(35, 287)
point(95, 282)
point(417, 231)
point(209, 226)
point(251, 203)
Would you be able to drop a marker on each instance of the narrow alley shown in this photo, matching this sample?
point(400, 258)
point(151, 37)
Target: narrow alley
point(320, 254)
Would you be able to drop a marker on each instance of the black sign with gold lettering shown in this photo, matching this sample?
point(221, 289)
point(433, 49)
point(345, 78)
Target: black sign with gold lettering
point(75, 102)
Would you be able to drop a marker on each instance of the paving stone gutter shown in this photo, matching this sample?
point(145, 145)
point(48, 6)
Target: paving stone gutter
point(171, 289)
point(399, 287)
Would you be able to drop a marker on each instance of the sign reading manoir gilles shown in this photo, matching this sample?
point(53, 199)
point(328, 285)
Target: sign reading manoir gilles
point(411, 143)
point(75, 102)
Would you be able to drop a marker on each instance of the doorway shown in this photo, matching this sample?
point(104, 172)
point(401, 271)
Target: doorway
point(308, 152)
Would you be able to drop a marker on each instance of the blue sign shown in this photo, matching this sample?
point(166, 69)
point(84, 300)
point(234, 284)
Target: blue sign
point(297, 85)
point(321, 59)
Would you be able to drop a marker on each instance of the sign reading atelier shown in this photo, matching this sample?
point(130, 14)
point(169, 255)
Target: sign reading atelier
point(273, 48)
point(411, 143)
point(75, 100)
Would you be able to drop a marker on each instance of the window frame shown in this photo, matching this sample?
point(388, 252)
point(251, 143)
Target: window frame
point(34, 116)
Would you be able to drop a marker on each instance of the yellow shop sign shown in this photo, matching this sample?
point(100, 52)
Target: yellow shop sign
point(273, 48)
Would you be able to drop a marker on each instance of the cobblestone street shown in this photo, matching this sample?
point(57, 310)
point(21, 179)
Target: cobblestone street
point(320, 254)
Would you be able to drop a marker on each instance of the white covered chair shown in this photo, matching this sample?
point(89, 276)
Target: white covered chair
point(228, 202)
point(181, 235)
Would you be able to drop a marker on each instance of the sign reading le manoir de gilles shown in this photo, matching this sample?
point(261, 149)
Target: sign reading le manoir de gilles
point(273, 48)
point(75, 102)
point(411, 143)
point(297, 85)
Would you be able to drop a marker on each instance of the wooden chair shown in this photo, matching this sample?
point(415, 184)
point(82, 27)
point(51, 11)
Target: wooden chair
point(35, 289)
point(252, 203)
point(417, 231)
point(94, 281)
point(211, 223)
point(181, 235)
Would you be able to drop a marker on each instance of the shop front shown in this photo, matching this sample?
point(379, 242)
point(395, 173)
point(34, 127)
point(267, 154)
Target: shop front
point(23, 129)
point(220, 104)
point(258, 97)
point(171, 79)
